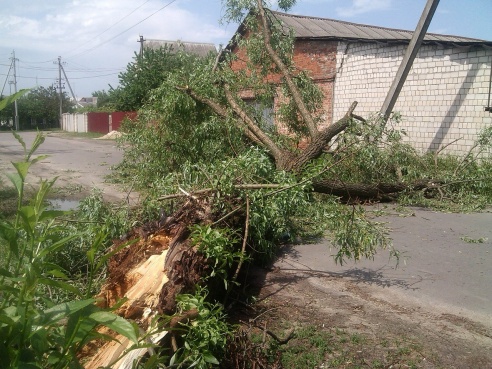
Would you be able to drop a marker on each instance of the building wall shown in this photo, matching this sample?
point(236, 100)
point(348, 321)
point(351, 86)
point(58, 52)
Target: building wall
point(443, 98)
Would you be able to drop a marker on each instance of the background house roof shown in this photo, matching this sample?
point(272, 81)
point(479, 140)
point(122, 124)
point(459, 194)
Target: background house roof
point(305, 27)
point(197, 48)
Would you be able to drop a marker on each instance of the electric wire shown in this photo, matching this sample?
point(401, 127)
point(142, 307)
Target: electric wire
point(107, 29)
point(121, 33)
point(6, 78)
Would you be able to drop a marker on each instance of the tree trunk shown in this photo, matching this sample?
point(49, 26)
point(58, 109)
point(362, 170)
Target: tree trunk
point(365, 191)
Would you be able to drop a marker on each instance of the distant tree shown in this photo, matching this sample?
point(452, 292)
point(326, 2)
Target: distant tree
point(104, 99)
point(40, 108)
point(146, 73)
point(6, 115)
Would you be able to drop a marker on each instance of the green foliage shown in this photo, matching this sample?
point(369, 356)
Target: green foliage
point(41, 108)
point(7, 115)
point(205, 337)
point(36, 332)
point(143, 75)
point(10, 99)
point(219, 247)
point(174, 130)
point(236, 10)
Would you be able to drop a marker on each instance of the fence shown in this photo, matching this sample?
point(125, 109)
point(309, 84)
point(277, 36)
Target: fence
point(95, 122)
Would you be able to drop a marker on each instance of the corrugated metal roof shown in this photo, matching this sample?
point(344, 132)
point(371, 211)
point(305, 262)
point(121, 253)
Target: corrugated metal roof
point(322, 28)
point(197, 48)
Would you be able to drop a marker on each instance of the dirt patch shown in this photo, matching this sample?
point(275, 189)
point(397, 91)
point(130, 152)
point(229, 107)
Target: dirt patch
point(375, 333)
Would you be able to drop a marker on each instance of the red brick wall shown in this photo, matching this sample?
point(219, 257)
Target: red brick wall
point(318, 58)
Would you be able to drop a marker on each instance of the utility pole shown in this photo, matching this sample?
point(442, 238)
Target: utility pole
point(60, 90)
point(16, 114)
point(70, 87)
point(141, 40)
point(408, 58)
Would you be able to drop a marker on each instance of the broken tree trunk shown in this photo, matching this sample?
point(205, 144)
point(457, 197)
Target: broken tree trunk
point(150, 273)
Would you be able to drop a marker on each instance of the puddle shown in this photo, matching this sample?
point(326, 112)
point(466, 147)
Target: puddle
point(63, 204)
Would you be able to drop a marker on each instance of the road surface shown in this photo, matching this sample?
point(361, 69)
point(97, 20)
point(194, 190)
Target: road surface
point(81, 163)
point(445, 264)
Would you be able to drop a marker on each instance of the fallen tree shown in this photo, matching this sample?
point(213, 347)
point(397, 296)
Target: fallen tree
point(241, 187)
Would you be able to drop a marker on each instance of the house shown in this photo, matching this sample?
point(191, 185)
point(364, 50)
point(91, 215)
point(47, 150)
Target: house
point(87, 101)
point(446, 96)
point(197, 48)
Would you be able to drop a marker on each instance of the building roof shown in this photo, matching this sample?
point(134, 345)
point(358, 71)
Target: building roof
point(306, 27)
point(197, 48)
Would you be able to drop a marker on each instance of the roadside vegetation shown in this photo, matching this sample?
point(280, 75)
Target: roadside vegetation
point(198, 148)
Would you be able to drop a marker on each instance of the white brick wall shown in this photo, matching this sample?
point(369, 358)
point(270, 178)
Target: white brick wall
point(443, 98)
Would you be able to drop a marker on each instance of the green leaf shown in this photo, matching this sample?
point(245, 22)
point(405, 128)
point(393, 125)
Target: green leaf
point(39, 158)
point(57, 245)
point(9, 234)
point(52, 214)
point(38, 141)
point(59, 284)
point(209, 358)
point(10, 99)
point(57, 273)
point(16, 181)
point(79, 327)
point(61, 311)
point(20, 140)
point(116, 323)
point(4, 272)
point(22, 168)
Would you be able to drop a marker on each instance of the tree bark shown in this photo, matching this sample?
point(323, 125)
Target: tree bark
point(296, 96)
point(366, 191)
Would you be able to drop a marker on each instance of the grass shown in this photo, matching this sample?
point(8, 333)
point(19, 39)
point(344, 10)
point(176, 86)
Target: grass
point(82, 134)
point(324, 347)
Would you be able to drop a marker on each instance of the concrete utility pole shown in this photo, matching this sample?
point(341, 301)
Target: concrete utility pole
point(141, 40)
point(60, 90)
point(70, 87)
point(409, 57)
point(16, 115)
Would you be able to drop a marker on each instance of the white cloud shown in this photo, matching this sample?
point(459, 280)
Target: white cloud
point(95, 35)
point(363, 6)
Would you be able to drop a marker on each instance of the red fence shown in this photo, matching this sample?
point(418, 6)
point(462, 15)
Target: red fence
point(106, 122)
point(118, 116)
point(98, 122)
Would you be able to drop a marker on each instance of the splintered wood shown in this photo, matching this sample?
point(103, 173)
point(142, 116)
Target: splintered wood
point(150, 273)
point(141, 285)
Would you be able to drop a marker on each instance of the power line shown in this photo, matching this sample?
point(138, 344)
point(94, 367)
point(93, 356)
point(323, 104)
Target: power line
point(86, 77)
point(107, 29)
point(6, 78)
point(126, 30)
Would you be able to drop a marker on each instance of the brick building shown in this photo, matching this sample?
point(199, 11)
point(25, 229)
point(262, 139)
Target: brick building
point(446, 94)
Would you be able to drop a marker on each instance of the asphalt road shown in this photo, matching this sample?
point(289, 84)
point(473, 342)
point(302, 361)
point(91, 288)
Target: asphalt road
point(81, 163)
point(438, 268)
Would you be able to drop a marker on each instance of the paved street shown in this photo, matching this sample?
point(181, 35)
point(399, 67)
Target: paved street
point(79, 162)
point(438, 269)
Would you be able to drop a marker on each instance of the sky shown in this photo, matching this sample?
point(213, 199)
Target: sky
point(96, 39)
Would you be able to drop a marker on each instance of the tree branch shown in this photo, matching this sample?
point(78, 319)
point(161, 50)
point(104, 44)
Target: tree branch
point(296, 96)
point(261, 136)
point(221, 111)
point(316, 146)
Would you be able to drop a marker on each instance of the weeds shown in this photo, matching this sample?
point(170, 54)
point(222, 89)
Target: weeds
point(37, 332)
